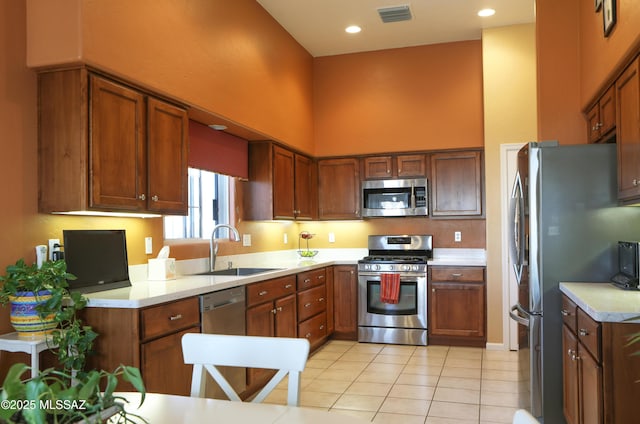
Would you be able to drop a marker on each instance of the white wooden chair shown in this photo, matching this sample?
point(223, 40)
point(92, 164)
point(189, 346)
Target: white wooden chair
point(523, 416)
point(206, 351)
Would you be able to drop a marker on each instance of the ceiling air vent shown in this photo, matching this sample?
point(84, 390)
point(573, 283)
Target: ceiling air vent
point(395, 13)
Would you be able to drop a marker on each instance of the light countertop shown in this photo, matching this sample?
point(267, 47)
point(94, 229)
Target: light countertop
point(604, 302)
point(144, 293)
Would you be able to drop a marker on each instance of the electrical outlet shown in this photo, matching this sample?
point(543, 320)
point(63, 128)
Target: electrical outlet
point(148, 245)
point(457, 236)
point(332, 238)
point(246, 240)
point(285, 239)
point(52, 243)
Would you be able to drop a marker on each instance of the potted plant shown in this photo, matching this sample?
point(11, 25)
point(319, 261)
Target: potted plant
point(58, 397)
point(42, 303)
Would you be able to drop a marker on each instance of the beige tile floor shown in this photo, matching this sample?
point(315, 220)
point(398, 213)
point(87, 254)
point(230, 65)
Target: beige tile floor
point(411, 384)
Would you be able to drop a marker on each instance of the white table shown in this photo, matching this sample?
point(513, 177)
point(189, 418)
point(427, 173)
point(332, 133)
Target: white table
point(171, 409)
point(32, 345)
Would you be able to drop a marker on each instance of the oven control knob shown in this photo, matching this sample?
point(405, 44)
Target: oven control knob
point(376, 267)
point(416, 267)
point(406, 267)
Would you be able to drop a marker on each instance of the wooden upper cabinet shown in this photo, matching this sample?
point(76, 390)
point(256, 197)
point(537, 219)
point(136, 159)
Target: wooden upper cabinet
point(117, 146)
point(168, 157)
point(456, 184)
point(601, 118)
point(411, 166)
point(282, 184)
point(305, 188)
point(106, 146)
point(377, 167)
point(628, 132)
point(401, 166)
point(339, 188)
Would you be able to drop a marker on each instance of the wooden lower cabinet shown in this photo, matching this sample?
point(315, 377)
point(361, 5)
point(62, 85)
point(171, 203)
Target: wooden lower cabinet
point(600, 369)
point(457, 306)
point(271, 312)
point(312, 306)
point(157, 373)
point(147, 338)
point(345, 302)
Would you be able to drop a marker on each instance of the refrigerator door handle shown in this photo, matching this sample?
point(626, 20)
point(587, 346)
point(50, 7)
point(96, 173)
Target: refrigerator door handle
point(516, 314)
point(517, 240)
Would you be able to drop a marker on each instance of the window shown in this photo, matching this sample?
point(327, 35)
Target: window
point(209, 201)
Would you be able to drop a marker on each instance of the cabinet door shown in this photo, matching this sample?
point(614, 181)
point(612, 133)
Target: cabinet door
point(260, 320)
point(377, 167)
point(456, 184)
point(593, 124)
point(570, 380)
point(283, 177)
point(457, 309)
point(628, 132)
point(339, 188)
point(163, 369)
point(168, 155)
point(117, 147)
point(345, 302)
point(607, 106)
point(590, 387)
point(411, 166)
point(285, 317)
point(306, 188)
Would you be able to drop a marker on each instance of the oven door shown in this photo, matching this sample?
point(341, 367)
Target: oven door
point(409, 312)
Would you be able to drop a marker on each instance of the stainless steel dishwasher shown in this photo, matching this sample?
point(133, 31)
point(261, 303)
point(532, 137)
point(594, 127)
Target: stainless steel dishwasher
point(223, 312)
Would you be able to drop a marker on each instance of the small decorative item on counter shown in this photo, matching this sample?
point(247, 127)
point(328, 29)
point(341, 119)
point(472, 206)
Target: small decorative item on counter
point(306, 253)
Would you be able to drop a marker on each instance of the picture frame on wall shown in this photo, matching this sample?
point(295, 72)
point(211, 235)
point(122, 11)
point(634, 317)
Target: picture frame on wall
point(608, 16)
point(598, 5)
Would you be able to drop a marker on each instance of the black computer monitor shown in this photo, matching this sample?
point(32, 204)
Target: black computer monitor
point(98, 258)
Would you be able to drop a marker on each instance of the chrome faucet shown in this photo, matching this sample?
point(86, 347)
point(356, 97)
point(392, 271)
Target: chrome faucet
point(213, 243)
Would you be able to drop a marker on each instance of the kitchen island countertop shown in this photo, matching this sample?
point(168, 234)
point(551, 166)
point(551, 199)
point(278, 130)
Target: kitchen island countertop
point(604, 302)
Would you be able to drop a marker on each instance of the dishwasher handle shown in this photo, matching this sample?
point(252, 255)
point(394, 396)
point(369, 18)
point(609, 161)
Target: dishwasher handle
point(221, 299)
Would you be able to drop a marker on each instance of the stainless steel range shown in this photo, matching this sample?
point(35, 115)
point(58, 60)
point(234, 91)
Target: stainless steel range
point(404, 320)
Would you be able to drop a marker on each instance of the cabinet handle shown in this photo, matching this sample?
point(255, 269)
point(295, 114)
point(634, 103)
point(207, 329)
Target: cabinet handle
point(322, 327)
point(572, 354)
point(433, 290)
point(456, 275)
point(320, 277)
point(321, 299)
point(142, 197)
point(352, 272)
point(306, 305)
point(288, 286)
point(175, 317)
point(279, 308)
point(274, 311)
point(262, 293)
point(308, 335)
point(307, 280)
point(635, 182)
point(565, 313)
point(154, 198)
point(583, 332)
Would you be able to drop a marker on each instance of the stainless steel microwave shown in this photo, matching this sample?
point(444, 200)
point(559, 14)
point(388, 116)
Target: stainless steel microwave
point(398, 197)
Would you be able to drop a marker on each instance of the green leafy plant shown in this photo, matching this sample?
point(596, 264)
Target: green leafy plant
point(71, 340)
point(57, 397)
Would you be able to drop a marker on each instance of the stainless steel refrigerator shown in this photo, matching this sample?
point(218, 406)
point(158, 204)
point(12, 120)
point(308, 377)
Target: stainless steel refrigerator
point(565, 227)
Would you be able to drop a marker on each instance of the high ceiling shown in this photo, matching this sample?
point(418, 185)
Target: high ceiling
point(318, 25)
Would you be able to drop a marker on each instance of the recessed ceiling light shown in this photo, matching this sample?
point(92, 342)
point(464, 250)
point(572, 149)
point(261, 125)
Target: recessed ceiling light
point(486, 12)
point(353, 29)
point(218, 127)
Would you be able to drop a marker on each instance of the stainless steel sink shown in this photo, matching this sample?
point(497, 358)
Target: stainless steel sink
point(239, 271)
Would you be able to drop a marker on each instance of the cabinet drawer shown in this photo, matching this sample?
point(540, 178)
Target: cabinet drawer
point(568, 313)
point(269, 290)
point(589, 333)
point(311, 278)
point(313, 329)
point(462, 273)
point(311, 302)
point(169, 318)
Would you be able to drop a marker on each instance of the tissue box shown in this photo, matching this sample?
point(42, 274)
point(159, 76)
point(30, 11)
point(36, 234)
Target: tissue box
point(162, 269)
